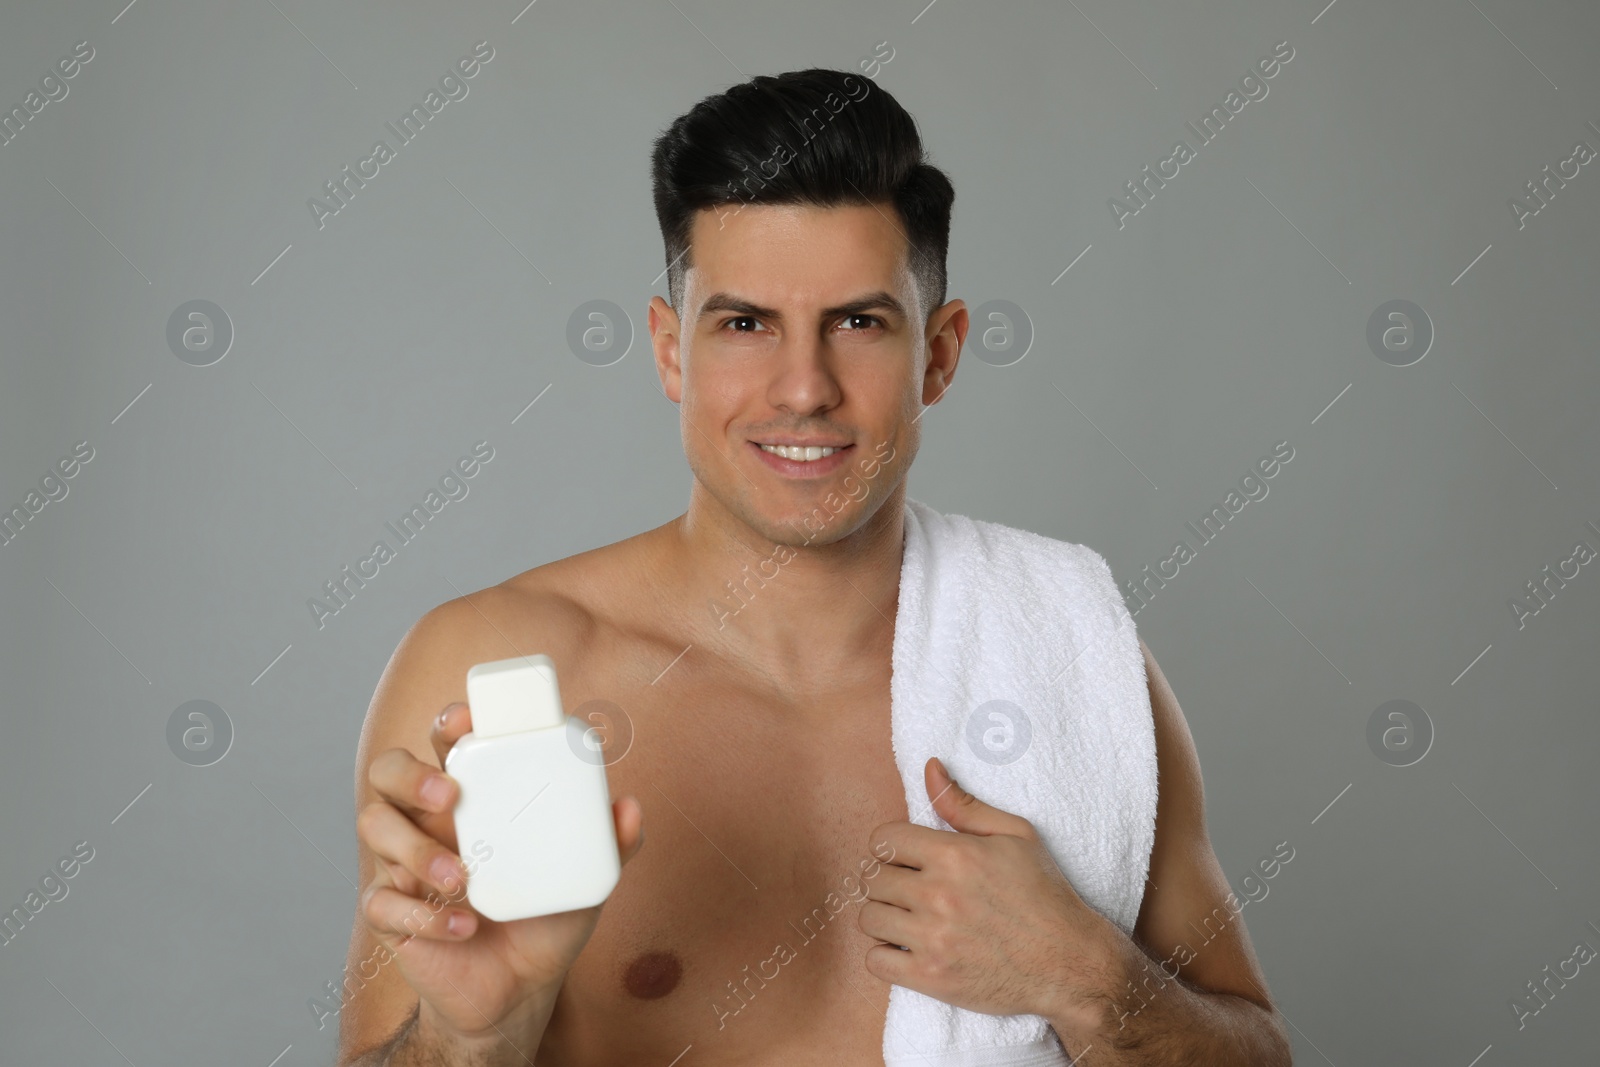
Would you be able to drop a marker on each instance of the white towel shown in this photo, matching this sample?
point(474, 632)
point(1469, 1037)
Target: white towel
point(993, 613)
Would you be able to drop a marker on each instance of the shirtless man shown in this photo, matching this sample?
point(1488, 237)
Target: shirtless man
point(760, 740)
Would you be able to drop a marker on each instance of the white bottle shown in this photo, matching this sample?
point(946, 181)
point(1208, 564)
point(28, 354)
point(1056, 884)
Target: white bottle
point(534, 792)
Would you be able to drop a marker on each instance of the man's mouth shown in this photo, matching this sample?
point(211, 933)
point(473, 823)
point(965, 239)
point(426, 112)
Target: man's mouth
point(802, 453)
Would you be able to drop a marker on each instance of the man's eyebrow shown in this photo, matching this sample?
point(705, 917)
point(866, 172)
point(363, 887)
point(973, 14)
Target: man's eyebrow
point(880, 300)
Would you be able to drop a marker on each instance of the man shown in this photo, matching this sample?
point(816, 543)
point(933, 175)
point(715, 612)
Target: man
point(806, 333)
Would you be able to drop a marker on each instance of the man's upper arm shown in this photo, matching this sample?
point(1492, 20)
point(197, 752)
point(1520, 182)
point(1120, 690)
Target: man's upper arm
point(1186, 898)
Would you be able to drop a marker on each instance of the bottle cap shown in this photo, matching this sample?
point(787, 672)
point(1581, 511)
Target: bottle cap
point(510, 696)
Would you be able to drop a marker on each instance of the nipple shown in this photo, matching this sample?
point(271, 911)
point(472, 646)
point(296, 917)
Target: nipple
point(652, 975)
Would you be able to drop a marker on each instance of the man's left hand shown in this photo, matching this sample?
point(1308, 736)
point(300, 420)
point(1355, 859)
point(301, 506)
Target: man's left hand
point(988, 921)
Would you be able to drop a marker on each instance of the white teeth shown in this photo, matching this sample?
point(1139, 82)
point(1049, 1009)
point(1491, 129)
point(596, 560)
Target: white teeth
point(806, 454)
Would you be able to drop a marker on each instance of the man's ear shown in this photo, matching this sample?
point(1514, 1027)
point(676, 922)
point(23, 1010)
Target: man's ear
point(946, 332)
point(664, 329)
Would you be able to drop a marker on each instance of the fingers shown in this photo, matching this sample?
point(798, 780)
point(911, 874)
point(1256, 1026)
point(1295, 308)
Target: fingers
point(402, 879)
point(886, 923)
point(453, 722)
point(964, 811)
point(889, 963)
point(893, 885)
point(911, 845)
point(409, 784)
point(398, 841)
point(389, 911)
point(629, 818)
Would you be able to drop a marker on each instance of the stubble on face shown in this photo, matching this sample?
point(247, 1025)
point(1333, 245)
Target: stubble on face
point(855, 377)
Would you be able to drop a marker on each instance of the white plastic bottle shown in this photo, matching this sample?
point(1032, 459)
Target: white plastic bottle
point(534, 792)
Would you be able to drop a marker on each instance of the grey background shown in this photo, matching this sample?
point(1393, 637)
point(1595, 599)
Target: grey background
point(1225, 317)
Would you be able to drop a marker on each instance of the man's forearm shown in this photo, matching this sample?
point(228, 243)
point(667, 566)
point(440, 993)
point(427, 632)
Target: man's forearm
point(419, 1044)
point(1168, 1021)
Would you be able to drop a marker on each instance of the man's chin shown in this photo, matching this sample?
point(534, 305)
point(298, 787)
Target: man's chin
point(821, 519)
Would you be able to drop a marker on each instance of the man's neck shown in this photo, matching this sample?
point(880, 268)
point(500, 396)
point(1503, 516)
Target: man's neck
point(809, 615)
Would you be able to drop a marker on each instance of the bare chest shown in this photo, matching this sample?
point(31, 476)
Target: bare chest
point(733, 931)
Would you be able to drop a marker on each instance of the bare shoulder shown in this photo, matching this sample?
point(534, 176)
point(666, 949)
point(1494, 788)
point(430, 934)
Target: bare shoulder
point(428, 669)
point(555, 608)
point(1189, 914)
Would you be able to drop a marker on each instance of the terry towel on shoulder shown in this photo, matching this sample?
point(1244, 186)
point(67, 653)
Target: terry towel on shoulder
point(990, 613)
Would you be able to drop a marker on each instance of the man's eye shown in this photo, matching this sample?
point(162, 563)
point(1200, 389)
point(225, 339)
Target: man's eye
point(749, 319)
point(868, 320)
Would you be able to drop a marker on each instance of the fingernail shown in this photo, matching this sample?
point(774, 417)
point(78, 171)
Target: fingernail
point(458, 924)
point(446, 873)
point(436, 790)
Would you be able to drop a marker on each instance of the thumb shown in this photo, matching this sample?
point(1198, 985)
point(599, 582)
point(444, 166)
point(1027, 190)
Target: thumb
point(628, 816)
point(965, 812)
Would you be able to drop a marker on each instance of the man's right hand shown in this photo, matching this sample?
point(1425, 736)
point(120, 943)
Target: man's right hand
point(478, 980)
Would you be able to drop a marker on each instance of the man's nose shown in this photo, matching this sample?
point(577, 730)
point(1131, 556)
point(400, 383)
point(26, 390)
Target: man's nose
point(804, 376)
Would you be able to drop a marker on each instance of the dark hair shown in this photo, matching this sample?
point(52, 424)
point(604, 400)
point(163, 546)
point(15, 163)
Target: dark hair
point(834, 138)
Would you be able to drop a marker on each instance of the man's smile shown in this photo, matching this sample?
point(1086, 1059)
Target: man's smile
point(801, 460)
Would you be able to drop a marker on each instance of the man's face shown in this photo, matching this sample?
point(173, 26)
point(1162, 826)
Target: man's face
point(802, 326)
